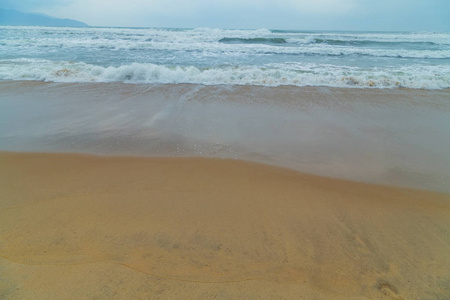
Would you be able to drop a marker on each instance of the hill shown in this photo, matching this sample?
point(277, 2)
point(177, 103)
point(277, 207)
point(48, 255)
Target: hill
point(17, 18)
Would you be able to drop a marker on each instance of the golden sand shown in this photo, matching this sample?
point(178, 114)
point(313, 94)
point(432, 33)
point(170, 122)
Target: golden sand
point(88, 227)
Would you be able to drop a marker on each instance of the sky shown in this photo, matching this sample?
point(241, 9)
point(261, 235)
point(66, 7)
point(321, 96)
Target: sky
point(373, 15)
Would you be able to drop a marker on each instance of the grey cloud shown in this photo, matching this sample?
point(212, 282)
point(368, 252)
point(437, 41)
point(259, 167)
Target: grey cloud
point(412, 15)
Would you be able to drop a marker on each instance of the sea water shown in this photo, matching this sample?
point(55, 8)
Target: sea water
point(418, 60)
point(366, 106)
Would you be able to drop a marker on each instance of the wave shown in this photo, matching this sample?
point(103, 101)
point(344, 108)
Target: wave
point(343, 42)
point(217, 34)
point(219, 42)
point(298, 74)
point(253, 41)
point(224, 47)
point(389, 38)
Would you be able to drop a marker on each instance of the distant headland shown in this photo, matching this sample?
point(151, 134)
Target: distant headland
point(17, 18)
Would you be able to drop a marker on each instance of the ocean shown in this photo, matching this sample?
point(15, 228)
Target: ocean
point(418, 60)
point(365, 106)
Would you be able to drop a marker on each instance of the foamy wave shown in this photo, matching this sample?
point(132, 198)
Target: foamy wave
point(297, 74)
point(228, 46)
point(230, 42)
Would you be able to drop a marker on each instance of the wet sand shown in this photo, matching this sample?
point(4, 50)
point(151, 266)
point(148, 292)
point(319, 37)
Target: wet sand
point(91, 227)
point(395, 137)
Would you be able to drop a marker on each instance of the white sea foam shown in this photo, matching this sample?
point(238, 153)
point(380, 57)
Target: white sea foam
point(217, 56)
point(208, 41)
point(297, 74)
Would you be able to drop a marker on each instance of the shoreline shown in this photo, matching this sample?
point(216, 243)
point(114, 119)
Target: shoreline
point(218, 159)
point(392, 136)
point(77, 225)
point(230, 85)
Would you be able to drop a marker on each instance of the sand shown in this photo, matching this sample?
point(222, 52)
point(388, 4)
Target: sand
point(92, 227)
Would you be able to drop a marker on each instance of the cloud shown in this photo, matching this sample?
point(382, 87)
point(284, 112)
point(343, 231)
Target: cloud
point(281, 14)
point(122, 13)
point(170, 7)
point(321, 7)
point(31, 5)
point(135, 12)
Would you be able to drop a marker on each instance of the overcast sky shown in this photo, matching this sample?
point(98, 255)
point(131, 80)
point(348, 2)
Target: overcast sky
point(401, 15)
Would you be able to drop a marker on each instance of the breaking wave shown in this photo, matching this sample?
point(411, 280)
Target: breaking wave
point(298, 74)
point(253, 41)
point(226, 56)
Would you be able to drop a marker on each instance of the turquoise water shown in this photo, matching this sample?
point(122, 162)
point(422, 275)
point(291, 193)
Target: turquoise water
point(236, 57)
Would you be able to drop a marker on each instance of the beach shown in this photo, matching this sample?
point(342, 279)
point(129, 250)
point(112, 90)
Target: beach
point(159, 163)
point(199, 192)
point(397, 137)
point(83, 226)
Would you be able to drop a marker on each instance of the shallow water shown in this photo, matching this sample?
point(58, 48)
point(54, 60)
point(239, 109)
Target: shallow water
point(389, 136)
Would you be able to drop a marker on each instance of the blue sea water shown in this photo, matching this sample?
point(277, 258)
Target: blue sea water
point(418, 60)
point(247, 97)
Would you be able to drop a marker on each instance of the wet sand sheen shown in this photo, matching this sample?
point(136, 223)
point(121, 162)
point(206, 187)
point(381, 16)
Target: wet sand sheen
point(79, 226)
point(397, 137)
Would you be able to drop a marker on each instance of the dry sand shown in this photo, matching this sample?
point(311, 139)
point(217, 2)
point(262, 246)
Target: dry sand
point(88, 227)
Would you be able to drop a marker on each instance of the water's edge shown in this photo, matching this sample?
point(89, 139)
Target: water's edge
point(388, 136)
